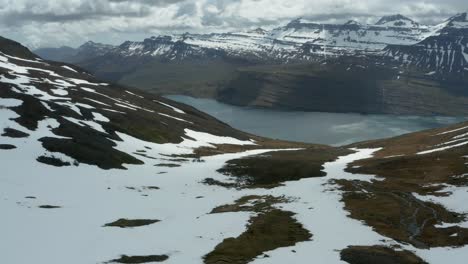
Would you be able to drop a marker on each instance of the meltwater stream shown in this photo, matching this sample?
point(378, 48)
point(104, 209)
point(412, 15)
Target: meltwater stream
point(314, 127)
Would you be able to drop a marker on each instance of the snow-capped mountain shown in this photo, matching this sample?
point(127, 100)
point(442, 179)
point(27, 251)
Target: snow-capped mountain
point(445, 50)
point(303, 40)
point(380, 65)
point(352, 37)
point(298, 40)
point(397, 21)
point(84, 52)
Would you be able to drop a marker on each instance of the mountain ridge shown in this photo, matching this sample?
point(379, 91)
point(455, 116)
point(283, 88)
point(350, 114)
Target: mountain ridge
point(430, 59)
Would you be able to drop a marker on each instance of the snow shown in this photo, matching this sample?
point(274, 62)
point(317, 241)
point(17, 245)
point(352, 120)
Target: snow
point(90, 124)
point(99, 117)
point(454, 130)
point(125, 106)
point(9, 102)
point(134, 94)
point(329, 223)
point(119, 102)
point(23, 82)
point(171, 107)
point(114, 111)
point(97, 102)
point(455, 202)
point(442, 148)
point(59, 92)
point(449, 144)
point(175, 118)
point(69, 68)
point(74, 233)
point(79, 82)
point(91, 197)
point(21, 59)
point(208, 139)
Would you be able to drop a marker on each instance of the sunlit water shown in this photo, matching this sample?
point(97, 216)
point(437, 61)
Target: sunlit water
point(314, 127)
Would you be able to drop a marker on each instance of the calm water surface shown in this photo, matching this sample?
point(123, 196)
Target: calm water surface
point(313, 127)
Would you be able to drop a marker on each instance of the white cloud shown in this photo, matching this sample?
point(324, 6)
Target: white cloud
point(71, 22)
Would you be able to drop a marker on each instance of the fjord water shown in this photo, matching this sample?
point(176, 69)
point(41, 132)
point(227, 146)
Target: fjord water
point(314, 127)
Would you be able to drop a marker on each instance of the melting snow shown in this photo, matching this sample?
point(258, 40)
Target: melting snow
point(172, 107)
point(69, 68)
point(175, 118)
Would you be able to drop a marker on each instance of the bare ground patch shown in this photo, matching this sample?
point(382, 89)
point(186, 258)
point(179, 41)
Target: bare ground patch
point(129, 223)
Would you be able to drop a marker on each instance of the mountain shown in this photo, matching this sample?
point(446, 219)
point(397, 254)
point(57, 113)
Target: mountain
point(394, 66)
point(397, 21)
point(445, 51)
point(131, 177)
point(56, 54)
point(84, 52)
point(88, 116)
point(299, 40)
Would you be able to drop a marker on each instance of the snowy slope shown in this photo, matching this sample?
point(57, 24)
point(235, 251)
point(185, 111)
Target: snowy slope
point(78, 154)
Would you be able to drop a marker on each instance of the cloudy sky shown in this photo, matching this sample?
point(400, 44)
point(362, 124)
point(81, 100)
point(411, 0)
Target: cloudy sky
point(51, 23)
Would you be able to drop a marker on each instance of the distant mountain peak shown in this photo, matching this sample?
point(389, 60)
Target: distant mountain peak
point(92, 44)
point(352, 22)
point(258, 30)
point(295, 21)
point(397, 20)
point(459, 21)
point(301, 23)
point(462, 17)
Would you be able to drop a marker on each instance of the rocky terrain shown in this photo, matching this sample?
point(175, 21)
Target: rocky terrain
point(94, 172)
point(401, 62)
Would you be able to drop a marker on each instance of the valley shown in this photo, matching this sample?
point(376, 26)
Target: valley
point(304, 142)
point(394, 66)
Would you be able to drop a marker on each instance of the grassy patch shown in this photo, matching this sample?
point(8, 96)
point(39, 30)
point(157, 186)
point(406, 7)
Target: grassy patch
point(271, 169)
point(265, 232)
point(13, 133)
point(401, 216)
point(127, 223)
point(49, 207)
point(213, 182)
point(389, 205)
point(151, 188)
point(140, 259)
point(53, 161)
point(168, 165)
point(251, 203)
point(7, 146)
point(90, 152)
point(378, 254)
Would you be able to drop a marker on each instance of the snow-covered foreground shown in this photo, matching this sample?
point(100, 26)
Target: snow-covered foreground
point(90, 198)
